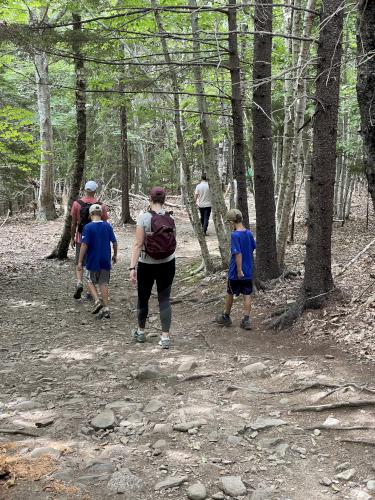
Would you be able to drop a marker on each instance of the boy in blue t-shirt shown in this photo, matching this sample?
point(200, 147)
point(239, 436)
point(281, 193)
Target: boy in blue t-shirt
point(96, 243)
point(240, 272)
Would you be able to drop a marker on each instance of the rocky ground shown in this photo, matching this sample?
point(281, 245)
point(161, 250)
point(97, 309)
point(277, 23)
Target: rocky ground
point(86, 413)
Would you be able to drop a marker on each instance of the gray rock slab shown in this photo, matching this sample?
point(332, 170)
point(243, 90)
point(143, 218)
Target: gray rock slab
point(197, 491)
point(104, 420)
point(232, 486)
point(255, 369)
point(265, 423)
point(148, 372)
point(186, 426)
point(124, 481)
point(153, 406)
point(162, 429)
point(187, 366)
point(346, 475)
point(371, 485)
point(170, 482)
point(359, 494)
point(44, 452)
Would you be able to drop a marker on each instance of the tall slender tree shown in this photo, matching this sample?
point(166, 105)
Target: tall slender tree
point(239, 167)
point(266, 256)
point(61, 250)
point(366, 87)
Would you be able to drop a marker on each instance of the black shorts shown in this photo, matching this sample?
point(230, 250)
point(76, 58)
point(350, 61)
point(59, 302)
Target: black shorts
point(238, 287)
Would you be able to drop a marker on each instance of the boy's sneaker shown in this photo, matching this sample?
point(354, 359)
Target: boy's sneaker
point(245, 324)
point(78, 292)
point(165, 342)
point(97, 306)
point(223, 320)
point(138, 336)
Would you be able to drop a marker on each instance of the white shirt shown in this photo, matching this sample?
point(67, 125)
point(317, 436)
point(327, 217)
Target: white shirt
point(203, 192)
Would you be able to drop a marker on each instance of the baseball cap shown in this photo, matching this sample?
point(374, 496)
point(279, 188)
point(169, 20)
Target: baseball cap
point(234, 215)
point(91, 186)
point(157, 191)
point(95, 207)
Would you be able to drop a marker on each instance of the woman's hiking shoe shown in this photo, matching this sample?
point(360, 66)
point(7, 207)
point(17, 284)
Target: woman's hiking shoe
point(165, 342)
point(97, 306)
point(78, 292)
point(224, 320)
point(245, 324)
point(138, 336)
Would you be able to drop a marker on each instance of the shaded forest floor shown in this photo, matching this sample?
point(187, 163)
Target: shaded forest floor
point(221, 402)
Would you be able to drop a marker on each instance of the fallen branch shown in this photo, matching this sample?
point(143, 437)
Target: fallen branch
point(6, 218)
point(3, 430)
point(358, 441)
point(357, 403)
point(196, 376)
point(354, 259)
point(342, 428)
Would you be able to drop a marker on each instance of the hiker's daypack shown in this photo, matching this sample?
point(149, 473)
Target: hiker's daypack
point(84, 213)
point(160, 243)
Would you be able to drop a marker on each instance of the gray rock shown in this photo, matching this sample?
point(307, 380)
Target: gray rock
point(45, 451)
point(218, 496)
point(170, 482)
point(255, 369)
point(232, 486)
point(148, 372)
point(371, 485)
point(94, 477)
point(153, 406)
point(121, 404)
point(325, 481)
point(343, 466)
point(162, 429)
point(213, 437)
point(44, 422)
point(104, 420)
point(265, 423)
point(27, 405)
point(187, 366)
point(186, 426)
point(136, 417)
point(262, 494)
point(346, 475)
point(65, 475)
point(274, 445)
point(160, 444)
point(124, 481)
point(235, 440)
point(358, 494)
point(197, 491)
point(100, 467)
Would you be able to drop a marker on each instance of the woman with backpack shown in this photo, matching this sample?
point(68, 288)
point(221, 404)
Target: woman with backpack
point(153, 260)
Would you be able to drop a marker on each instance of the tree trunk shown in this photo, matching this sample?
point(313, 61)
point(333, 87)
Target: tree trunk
point(126, 218)
point(61, 250)
point(239, 168)
point(318, 281)
point(366, 87)
point(186, 185)
point(46, 205)
point(266, 256)
point(217, 199)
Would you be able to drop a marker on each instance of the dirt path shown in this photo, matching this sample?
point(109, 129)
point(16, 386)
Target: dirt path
point(220, 403)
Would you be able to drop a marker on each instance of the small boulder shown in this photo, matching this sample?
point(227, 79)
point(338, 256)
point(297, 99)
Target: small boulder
point(255, 369)
point(124, 481)
point(153, 406)
point(187, 366)
point(232, 486)
point(148, 372)
point(162, 429)
point(45, 451)
point(197, 491)
point(346, 475)
point(104, 420)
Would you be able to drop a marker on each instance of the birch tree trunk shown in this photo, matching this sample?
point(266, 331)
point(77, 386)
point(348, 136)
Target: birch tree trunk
point(187, 185)
point(46, 204)
point(296, 142)
point(217, 199)
point(61, 250)
point(266, 256)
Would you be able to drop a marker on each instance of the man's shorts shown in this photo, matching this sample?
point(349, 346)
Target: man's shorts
point(78, 249)
point(238, 287)
point(99, 277)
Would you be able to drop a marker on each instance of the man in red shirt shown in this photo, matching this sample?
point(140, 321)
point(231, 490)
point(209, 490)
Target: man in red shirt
point(80, 217)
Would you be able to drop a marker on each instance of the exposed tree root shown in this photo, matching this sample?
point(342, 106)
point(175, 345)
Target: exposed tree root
point(365, 442)
point(3, 430)
point(196, 376)
point(288, 317)
point(323, 385)
point(342, 428)
point(356, 403)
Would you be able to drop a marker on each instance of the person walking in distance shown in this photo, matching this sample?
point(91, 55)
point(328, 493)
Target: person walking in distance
point(240, 272)
point(203, 200)
point(80, 217)
point(153, 260)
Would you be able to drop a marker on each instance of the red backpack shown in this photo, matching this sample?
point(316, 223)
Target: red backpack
point(161, 242)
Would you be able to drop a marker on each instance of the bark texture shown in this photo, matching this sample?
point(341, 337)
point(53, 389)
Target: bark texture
point(61, 250)
point(366, 87)
point(239, 167)
point(318, 279)
point(266, 256)
point(126, 218)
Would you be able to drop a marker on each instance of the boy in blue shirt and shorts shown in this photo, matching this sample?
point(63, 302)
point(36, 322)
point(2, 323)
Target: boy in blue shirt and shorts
point(240, 272)
point(96, 242)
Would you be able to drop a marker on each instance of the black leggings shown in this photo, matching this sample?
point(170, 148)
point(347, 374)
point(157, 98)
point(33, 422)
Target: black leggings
point(163, 274)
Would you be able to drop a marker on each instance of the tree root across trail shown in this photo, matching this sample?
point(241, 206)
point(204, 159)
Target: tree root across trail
point(127, 415)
